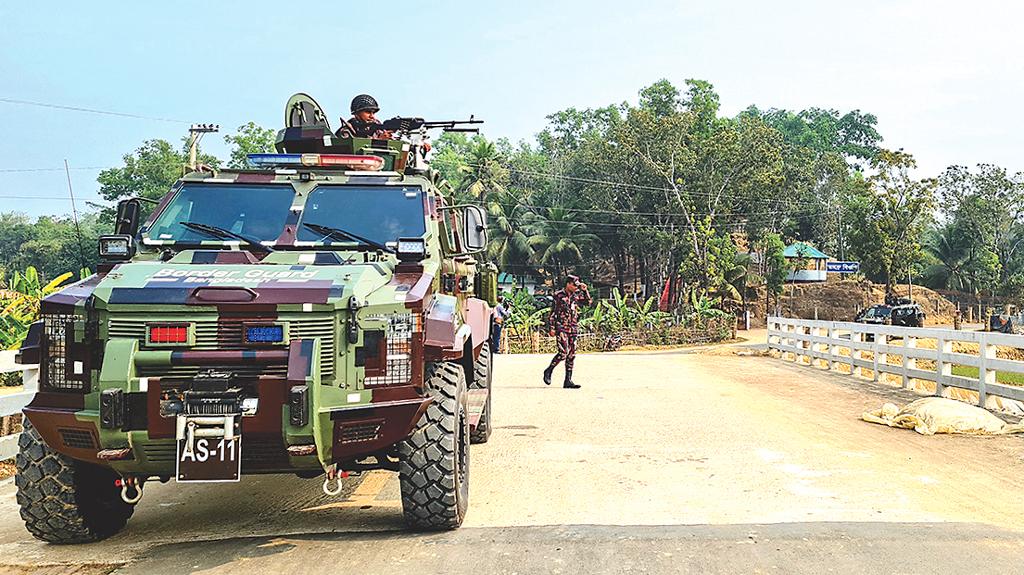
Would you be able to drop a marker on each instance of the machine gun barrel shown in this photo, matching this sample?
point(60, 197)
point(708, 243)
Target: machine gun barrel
point(454, 125)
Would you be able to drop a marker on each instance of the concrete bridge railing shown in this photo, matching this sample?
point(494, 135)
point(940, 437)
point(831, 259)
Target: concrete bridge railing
point(925, 354)
point(12, 403)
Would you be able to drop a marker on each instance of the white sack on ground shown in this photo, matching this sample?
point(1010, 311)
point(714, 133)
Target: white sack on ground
point(941, 415)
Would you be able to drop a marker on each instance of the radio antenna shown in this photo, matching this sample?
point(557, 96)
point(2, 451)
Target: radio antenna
point(74, 216)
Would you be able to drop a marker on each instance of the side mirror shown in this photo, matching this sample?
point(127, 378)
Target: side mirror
point(127, 222)
point(474, 233)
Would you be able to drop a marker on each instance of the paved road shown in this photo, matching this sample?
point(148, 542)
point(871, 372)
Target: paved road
point(664, 462)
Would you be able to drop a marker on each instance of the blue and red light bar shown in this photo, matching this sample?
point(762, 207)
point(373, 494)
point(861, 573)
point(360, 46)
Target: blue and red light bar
point(348, 161)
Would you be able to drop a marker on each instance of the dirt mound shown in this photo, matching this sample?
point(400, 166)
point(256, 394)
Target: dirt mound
point(841, 300)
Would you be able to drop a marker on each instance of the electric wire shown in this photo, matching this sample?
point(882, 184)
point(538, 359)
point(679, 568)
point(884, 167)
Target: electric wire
point(89, 110)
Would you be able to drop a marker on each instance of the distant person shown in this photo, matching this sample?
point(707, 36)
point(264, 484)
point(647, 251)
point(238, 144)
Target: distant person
point(500, 314)
point(363, 123)
point(564, 325)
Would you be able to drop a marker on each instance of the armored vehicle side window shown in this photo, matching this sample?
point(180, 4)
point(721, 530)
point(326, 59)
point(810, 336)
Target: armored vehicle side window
point(259, 212)
point(380, 213)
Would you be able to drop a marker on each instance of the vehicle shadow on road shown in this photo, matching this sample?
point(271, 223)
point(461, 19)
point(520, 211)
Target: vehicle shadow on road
point(814, 547)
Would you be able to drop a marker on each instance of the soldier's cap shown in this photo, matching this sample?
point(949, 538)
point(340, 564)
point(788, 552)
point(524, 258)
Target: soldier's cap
point(571, 279)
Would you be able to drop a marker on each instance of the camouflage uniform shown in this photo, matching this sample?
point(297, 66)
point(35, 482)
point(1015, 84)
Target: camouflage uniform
point(564, 320)
point(361, 129)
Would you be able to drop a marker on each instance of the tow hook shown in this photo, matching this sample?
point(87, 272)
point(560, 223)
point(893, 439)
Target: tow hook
point(334, 476)
point(131, 490)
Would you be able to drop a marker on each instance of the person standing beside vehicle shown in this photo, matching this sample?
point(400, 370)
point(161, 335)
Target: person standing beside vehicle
point(500, 314)
point(564, 326)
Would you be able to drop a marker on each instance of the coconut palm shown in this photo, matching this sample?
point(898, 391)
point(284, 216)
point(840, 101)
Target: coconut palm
point(484, 174)
point(736, 281)
point(508, 230)
point(951, 270)
point(558, 239)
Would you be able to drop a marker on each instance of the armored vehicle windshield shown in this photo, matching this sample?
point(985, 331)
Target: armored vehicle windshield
point(379, 214)
point(261, 213)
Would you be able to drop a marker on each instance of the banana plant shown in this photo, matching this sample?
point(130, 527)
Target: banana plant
point(25, 292)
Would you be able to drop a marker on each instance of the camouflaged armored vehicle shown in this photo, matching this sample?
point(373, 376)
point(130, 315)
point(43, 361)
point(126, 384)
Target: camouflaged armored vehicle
point(320, 314)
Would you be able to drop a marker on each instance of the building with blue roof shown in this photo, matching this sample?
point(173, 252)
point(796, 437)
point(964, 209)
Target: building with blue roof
point(807, 261)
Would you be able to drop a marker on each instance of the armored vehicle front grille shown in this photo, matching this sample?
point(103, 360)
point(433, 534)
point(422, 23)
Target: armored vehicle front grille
point(160, 452)
point(359, 432)
point(258, 453)
point(77, 438)
point(226, 334)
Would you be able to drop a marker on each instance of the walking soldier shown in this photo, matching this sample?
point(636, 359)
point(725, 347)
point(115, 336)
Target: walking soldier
point(564, 325)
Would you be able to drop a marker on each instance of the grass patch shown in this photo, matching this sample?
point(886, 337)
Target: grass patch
point(1001, 376)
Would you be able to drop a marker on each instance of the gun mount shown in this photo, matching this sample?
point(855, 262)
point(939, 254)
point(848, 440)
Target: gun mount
point(308, 131)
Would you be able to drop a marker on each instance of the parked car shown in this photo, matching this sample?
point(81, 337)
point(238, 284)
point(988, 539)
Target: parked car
point(907, 315)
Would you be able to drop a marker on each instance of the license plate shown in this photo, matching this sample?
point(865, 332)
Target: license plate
point(210, 459)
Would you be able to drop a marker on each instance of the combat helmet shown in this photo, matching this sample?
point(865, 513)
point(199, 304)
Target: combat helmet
point(364, 102)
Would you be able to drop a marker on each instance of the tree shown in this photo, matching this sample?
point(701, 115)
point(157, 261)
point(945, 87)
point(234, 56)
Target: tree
point(559, 240)
point(249, 139)
point(508, 231)
point(891, 222)
point(950, 269)
point(773, 257)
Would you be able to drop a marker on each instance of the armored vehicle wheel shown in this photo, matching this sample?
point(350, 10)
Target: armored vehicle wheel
point(434, 467)
point(482, 376)
point(63, 500)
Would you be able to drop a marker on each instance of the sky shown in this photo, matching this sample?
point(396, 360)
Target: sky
point(943, 78)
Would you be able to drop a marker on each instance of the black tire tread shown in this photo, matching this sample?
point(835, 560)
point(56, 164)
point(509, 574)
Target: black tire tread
point(482, 376)
point(62, 500)
point(429, 456)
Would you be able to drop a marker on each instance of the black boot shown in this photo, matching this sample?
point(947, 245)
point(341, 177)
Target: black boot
point(547, 374)
point(568, 381)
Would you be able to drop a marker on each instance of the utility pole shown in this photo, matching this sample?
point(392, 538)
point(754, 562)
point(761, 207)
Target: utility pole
point(196, 132)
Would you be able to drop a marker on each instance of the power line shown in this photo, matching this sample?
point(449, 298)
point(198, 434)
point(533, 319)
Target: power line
point(671, 214)
point(15, 170)
point(626, 185)
point(61, 198)
point(90, 110)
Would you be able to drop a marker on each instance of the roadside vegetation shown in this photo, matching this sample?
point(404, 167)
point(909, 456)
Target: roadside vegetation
point(667, 199)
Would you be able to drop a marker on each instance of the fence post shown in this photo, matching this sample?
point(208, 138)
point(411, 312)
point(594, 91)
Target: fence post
point(833, 348)
point(881, 358)
point(986, 376)
point(856, 338)
point(908, 363)
point(943, 368)
point(815, 346)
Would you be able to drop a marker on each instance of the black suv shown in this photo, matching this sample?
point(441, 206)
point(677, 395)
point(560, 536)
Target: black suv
point(904, 314)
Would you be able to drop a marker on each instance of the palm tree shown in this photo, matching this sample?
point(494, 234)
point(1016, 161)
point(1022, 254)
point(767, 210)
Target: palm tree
point(484, 174)
point(736, 280)
point(950, 272)
point(559, 240)
point(508, 230)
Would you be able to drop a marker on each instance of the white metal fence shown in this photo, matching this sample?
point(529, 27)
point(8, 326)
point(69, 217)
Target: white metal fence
point(876, 348)
point(12, 403)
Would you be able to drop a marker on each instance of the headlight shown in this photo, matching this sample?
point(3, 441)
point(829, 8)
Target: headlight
point(396, 349)
point(411, 249)
point(116, 247)
point(62, 370)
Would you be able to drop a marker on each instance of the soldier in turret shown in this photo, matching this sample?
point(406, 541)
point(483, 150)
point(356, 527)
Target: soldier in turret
point(363, 123)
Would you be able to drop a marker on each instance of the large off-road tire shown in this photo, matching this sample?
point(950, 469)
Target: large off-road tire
point(63, 500)
point(482, 376)
point(434, 460)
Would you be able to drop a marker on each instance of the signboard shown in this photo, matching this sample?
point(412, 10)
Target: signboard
point(842, 267)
